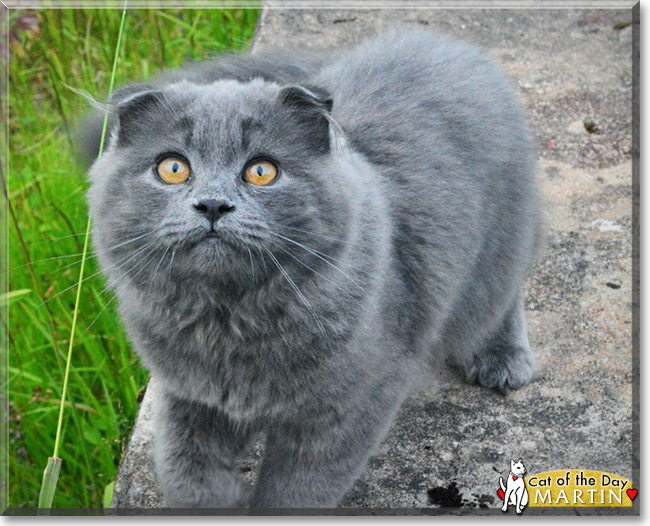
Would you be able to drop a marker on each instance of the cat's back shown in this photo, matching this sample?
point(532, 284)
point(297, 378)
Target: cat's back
point(408, 92)
point(449, 145)
point(284, 66)
point(439, 122)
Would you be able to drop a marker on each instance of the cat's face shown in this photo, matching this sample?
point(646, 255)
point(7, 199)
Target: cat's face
point(219, 181)
point(517, 468)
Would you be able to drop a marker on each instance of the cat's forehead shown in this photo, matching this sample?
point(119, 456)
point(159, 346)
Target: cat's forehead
point(224, 96)
point(216, 121)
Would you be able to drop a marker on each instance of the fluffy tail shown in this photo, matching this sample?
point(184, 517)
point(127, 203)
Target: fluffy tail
point(501, 484)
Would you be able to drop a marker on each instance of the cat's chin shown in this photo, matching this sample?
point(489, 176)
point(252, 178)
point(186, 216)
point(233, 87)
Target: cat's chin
point(210, 246)
point(215, 259)
point(213, 240)
point(210, 252)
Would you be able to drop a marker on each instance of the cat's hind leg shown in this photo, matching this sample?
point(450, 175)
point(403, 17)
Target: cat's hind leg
point(506, 360)
point(196, 453)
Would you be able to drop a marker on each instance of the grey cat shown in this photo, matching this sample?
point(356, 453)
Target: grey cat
point(294, 239)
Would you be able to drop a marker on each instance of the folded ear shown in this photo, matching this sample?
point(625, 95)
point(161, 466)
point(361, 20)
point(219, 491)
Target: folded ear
point(310, 108)
point(307, 98)
point(124, 105)
point(131, 104)
point(123, 94)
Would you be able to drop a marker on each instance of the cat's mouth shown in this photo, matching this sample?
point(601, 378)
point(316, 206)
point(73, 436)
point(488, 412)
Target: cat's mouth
point(216, 241)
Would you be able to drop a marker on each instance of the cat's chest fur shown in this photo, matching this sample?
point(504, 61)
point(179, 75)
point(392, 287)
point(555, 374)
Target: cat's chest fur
point(240, 356)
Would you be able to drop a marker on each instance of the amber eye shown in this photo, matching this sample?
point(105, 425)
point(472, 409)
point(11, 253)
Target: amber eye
point(261, 173)
point(173, 170)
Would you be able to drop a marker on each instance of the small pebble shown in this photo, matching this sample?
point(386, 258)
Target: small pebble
point(591, 126)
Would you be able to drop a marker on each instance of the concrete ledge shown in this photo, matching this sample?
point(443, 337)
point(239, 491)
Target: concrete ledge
point(452, 443)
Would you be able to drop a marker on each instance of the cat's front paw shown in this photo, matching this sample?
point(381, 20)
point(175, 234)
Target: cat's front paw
point(197, 494)
point(206, 501)
point(503, 368)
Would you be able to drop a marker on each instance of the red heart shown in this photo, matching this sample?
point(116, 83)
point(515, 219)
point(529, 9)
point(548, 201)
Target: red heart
point(632, 493)
point(514, 477)
point(503, 495)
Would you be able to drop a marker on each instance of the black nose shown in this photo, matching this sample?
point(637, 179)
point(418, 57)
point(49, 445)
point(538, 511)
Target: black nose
point(213, 209)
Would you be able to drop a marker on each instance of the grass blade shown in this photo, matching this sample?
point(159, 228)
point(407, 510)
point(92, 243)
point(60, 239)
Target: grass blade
point(53, 468)
point(10, 297)
point(50, 478)
point(108, 494)
point(46, 190)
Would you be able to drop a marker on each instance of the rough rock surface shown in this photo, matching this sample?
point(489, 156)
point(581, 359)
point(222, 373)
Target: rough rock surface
point(452, 442)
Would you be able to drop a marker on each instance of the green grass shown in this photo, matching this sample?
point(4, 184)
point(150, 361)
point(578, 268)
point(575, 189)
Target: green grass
point(47, 220)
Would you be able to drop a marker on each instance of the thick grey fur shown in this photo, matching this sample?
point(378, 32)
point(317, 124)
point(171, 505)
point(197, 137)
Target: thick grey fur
point(397, 237)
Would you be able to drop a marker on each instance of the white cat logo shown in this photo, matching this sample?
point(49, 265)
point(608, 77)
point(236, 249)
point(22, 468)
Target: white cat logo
point(514, 492)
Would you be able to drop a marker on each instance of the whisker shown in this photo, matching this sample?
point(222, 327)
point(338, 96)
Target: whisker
point(82, 234)
point(48, 259)
point(326, 237)
point(295, 288)
point(96, 254)
point(142, 267)
point(338, 285)
point(259, 250)
point(315, 253)
point(70, 265)
point(108, 249)
point(100, 313)
point(319, 253)
point(130, 269)
point(98, 272)
point(157, 267)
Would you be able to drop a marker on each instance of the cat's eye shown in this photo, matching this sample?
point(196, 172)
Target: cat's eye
point(173, 170)
point(261, 172)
